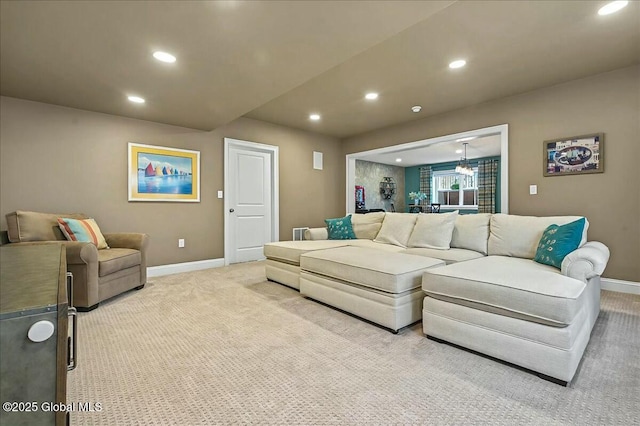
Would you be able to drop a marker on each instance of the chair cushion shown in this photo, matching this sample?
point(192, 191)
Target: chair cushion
point(515, 287)
point(381, 270)
point(116, 259)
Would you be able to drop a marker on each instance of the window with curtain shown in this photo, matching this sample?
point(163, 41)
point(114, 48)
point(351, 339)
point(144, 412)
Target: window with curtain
point(454, 190)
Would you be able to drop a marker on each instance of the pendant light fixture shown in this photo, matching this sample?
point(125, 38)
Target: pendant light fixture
point(463, 167)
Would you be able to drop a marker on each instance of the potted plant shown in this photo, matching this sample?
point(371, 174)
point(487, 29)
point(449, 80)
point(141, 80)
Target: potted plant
point(417, 196)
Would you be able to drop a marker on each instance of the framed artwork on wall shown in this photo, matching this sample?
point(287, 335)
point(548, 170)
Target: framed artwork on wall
point(574, 156)
point(159, 173)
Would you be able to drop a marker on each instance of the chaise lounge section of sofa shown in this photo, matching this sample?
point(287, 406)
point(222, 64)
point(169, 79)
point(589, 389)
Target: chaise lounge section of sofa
point(486, 293)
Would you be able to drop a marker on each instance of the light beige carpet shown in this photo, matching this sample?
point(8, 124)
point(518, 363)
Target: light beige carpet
point(224, 346)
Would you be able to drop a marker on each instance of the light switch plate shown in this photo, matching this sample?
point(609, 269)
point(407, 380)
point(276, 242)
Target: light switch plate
point(533, 189)
point(181, 243)
point(219, 194)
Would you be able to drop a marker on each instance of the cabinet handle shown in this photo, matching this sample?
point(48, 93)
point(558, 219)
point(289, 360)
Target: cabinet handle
point(73, 342)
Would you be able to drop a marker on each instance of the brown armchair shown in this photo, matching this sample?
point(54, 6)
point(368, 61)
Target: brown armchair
point(97, 274)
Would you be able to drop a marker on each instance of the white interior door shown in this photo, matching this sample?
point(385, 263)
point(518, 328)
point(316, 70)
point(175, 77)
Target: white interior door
point(249, 200)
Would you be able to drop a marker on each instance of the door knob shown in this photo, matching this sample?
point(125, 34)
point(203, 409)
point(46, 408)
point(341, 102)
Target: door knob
point(231, 210)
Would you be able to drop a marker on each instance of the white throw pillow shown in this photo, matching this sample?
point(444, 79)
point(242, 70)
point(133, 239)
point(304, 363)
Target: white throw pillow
point(367, 226)
point(433, 230)
point(518, 236)
point(396, 229)
point(471, 232)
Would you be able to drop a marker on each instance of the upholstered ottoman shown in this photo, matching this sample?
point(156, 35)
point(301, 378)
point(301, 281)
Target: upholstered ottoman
point(515, 310)
point(379, 286)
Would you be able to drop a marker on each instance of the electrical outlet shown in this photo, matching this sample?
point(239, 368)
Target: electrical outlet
point(533, 189)
point(181, 243)
point(219, 194)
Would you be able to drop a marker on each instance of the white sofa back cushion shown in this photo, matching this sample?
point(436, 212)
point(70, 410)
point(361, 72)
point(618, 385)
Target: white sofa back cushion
point(367, 226)
point(471, 232)
point(518, 236)
point(396, 229)
point(433, 231)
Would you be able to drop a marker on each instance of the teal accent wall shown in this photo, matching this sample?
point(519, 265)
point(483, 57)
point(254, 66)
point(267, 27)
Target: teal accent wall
point(412, 179)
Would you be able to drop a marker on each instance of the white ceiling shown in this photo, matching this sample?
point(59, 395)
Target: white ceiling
point(487, 146)
point(278, 61)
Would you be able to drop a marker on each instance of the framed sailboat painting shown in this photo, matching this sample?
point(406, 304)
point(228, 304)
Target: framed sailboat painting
point(159, 173)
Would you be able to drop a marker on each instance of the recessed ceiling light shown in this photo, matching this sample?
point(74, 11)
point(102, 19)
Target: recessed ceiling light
point(612, 7)
point(458, 64)
point(164, 57)
point(466, 139)
point(314, 117)
point(136, 99)
point(398, 160)
point(458, 151)
point(416, 108)
point(371, 96)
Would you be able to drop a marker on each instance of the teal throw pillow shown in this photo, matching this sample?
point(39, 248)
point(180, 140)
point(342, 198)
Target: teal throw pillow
point(340, 228)
point(558, 241)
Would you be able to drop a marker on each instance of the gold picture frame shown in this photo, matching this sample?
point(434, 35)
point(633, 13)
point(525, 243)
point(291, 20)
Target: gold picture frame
point(159, 173)
point(576, 155)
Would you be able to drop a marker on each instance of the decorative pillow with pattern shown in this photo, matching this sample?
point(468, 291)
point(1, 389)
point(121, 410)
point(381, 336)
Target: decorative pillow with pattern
point(558, 241)
point(83, 230)
point(340, 228)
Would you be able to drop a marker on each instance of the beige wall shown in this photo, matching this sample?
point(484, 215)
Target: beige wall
point(608, 103)
point(57, 159)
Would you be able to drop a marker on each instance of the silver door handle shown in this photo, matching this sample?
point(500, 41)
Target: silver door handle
point(72, 341)
point(231, 210)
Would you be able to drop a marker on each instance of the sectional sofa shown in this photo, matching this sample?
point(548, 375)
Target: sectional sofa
point(472, 279)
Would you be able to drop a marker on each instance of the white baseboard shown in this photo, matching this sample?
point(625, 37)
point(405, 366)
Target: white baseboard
point(176, 268)
point(620, 286)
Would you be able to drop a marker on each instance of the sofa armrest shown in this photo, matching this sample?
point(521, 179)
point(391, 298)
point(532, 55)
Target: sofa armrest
point(79, 253)
point(316, 234)
point(130, 240)
point(586, 262)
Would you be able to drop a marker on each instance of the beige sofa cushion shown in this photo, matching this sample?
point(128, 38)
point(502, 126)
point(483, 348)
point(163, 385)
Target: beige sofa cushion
point(396, 228)
point(515, 287)
point(390, 272)
point(518, 236)
point(290, 251)
point(23, 226)
point(376, 246)
point(433, 231)
point(366, 226)
point(471, 232)
point(452, 255)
